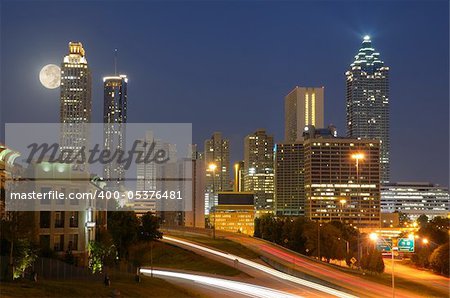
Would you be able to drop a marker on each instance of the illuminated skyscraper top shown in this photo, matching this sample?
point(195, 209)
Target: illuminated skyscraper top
point(368, 101)
point(303, 106)
point(367, 58)
point(115, 119)
point(75, 97)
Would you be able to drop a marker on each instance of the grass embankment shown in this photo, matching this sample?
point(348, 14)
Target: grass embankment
point(406, 284)
point(224, 245)
point(169, 256)
point(124, 283)
point(164, 256)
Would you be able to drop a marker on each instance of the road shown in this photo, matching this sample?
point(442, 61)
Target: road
point(218, 287)
point(263, 274)
point(429, 279)
point(353, 283)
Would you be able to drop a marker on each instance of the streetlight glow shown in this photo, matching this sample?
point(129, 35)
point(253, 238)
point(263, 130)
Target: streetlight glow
point(373, 236)
point(425, 241)
point(212, 166)
point(358, 156)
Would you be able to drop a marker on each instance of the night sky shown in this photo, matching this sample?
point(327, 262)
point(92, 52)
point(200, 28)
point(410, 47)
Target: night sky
point(226, 66)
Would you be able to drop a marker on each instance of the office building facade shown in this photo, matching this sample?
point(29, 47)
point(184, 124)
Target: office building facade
point(115, 119)
point(259, 168)
point(415, 199)
point(217, 154)
point(75, 98)
point(289, 179)
point(337, 185)
point(234, 212)
point(303, 106)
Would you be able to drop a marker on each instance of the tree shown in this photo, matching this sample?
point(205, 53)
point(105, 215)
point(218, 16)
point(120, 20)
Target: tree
point(439, 259)
point(421, 256)
point(123, 227)
point(331, 245)
point(140, 253)
point(269, 228)
point(373, 261)
point(257, 232)
point(296, 238)
point(436, 230)
point(25, 253)
point(149, 228)
point(422, 220)
point(102, 251)
point(18, 230)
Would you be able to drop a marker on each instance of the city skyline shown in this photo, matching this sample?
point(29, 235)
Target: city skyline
point(407, 165)
point(224, 148)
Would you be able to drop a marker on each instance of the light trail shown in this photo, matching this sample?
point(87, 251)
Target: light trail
point(229, 285)
point(265, 269)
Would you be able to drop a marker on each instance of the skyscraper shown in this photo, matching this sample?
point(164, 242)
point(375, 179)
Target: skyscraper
point(75, 99)
point(289, 179)
point(196, 217)
point(114, 118)
point(149, 176)
point(217, 166)
point(258, 168)
point(238, 176)
point(342, 178)
point(368, 101)
point(303, 106)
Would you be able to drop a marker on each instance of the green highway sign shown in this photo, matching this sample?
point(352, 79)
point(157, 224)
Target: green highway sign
point(384, 245)
point(405, 245)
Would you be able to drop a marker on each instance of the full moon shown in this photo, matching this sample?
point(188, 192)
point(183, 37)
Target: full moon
point(50, 76)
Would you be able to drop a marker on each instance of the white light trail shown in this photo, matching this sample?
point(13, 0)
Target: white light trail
point(229, 285)
point(265, 269)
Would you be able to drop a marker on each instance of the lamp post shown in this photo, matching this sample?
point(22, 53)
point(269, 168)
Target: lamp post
point(374, 237)
point(212, 167)
point(343, 201)
point(357, 157)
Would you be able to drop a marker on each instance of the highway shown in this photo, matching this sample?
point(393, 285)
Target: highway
point(437, 282)
point(235, 288)
point(352, 283)
point(270, 277)
point(362, 287)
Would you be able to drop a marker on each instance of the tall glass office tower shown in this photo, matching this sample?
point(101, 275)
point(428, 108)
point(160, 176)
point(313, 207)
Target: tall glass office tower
point(368, 101)
point(115, 119)
point(75, 99)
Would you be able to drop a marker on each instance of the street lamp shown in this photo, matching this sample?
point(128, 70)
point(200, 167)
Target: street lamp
point(357, 157)
point(343, 201)
point(212, 167)
point(374, 237)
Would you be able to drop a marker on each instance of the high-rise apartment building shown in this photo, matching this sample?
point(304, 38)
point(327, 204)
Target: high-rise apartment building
point(289, 179)
point(75, 99)
point(342, 179)
point(115, 119)
point(258, 168)
point(217, 167)
point(368, 101)
point(303, 106)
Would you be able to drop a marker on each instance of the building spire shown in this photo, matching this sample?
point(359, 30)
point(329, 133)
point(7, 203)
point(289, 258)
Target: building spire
point(115, 62)
point(367, 58)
